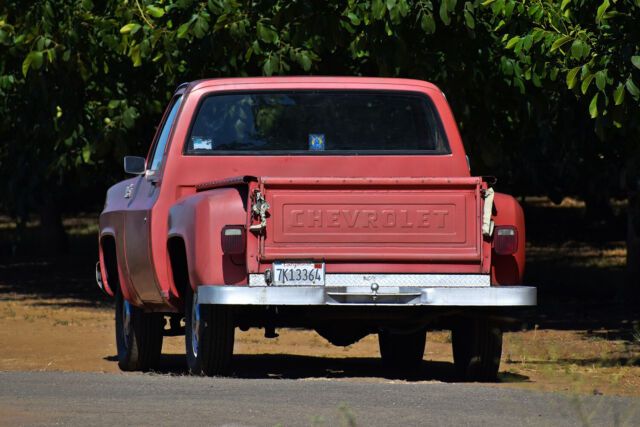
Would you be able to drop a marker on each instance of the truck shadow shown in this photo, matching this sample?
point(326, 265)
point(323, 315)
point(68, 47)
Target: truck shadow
point(284, 366)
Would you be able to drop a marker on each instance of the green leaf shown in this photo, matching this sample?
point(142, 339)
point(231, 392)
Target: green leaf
point(560, 42)
point(127, 28)
point(305, 61)
point(35, 61)
point(87, 4)
point(378, 8)
point(586, 82)
point(518, 47)
point(428, 23)
point(182, 30)
point(451, 4)
point(444, 14)
point(618, 94)
point(266, 34)
point(86, 153)
point(632, 88)
point(538, 34)
point(468, 18)
point(353, 18)
point(528, 41)
point(511, 43)
point(26, 64)
point(536, 80)
point(635, 60)
point(114, 103)
point(486, 3)
point(564, 4)
point(601, 77)
point(136, 56)
point(593, 106)
point(601, 10)
point(519, 83)
point(135, 29)
point(268, 67)
point(155, 11)
point(572, 77)
point(507, 66)
point(129, 117)
point(576, 49)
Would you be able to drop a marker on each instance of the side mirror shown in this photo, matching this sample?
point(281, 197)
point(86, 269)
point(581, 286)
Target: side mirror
point(134, 165)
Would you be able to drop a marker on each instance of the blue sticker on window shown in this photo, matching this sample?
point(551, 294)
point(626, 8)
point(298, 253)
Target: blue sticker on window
point(200, 143)
point(316, 141)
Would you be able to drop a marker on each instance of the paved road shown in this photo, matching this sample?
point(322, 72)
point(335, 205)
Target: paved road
point(45, 398)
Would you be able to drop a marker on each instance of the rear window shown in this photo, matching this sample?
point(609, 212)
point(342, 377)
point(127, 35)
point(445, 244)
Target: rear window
point(317, 122)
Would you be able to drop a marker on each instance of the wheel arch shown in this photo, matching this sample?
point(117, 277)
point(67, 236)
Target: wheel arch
point(109, 264)
point(178, 265)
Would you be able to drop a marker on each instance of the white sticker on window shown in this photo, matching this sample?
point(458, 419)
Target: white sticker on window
point(200, 143)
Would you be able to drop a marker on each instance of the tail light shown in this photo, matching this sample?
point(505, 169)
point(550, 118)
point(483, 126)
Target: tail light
point(234, 239)
point(505, 240)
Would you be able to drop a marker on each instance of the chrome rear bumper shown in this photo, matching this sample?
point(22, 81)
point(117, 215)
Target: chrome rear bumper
point(485, 296)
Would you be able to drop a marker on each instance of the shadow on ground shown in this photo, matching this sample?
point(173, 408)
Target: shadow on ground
point(284, 366)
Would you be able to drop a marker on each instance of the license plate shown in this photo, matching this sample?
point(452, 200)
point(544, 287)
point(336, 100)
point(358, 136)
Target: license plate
point(298, 273)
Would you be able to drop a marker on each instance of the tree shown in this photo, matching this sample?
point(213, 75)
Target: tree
point(590, 52)
point(66, 108)
point(545, 93)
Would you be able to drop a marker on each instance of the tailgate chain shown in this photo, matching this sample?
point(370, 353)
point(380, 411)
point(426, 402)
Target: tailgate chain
point(259, 209)
point(487, 222)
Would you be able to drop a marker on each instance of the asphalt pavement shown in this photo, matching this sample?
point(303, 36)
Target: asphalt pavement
point(68, 398)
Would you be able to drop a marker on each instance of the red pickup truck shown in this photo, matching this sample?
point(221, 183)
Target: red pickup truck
point(339, 204)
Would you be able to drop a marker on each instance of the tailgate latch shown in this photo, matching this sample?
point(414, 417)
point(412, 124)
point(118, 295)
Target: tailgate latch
point(259, 209)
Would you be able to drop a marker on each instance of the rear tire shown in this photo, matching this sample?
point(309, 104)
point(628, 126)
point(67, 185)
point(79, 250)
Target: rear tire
point(477, 348)
point(138, 336)
point(402, 353)
point(209, 336)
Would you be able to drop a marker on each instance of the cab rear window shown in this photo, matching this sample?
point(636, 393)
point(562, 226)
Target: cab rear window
point(315, 123)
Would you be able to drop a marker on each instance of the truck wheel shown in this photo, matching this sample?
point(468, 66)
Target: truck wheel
point(209, 335)
point(138, 336)
point(477, 348)
point(402, 353)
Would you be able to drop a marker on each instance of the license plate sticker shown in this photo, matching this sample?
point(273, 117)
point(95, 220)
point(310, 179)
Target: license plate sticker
point(298, 273)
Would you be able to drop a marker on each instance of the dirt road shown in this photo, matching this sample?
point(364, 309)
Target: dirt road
point(47, 398)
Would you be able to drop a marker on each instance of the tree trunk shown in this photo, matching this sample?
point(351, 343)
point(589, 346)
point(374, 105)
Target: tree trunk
point(53, 238)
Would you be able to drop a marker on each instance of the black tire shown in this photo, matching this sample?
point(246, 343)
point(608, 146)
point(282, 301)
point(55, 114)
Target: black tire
point(477, 348)
point(402, 353)
point(138, 336)
point(209, 335)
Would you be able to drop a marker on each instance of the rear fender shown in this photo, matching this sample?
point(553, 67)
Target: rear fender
point(198, 220)
point(508, 269)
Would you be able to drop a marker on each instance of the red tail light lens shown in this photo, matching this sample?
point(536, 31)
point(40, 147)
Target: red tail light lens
point(234, 239)
point(505, 240)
